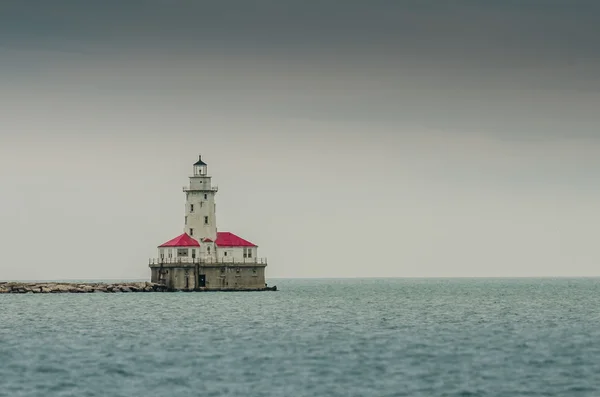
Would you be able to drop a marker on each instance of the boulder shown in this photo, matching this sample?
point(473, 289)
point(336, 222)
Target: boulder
point(61, 288)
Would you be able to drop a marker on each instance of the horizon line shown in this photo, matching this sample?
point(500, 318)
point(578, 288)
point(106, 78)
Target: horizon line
point(321, 278)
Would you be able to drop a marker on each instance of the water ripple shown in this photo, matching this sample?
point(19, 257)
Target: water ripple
point(312, 338)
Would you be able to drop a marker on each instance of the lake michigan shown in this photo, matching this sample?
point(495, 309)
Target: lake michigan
point(328, 337)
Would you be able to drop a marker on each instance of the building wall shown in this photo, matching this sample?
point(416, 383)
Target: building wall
point(172, 252)
point(235, 277)
point(217, 277)
point(202, 207)
point(208, 251)
point(223, 254)
point(201, 182)
point(175, 277)
point(235, 254)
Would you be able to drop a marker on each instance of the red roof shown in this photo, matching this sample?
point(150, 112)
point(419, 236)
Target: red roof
point(207, 240)
point(181, 241)
point(226, 239)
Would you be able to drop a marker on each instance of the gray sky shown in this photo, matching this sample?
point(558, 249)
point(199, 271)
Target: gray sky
point(348, 138)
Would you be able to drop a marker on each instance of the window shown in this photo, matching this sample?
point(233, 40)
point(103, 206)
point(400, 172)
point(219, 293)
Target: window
point(201, 202)
point(208, 249)
point(162, 254)
point(191, 207)
point(225, 253)
point(182, 252)
point(170, 253)
point(205, 196)
point(191, 232)
point(193, 253)
point(247, 252)
point(186, 220)
point(206, 220)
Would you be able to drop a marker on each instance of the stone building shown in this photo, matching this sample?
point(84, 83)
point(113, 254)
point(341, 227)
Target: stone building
point(202, 258)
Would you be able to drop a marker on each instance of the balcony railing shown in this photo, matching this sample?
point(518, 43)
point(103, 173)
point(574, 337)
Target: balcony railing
point(201, 189)
point(208, 261)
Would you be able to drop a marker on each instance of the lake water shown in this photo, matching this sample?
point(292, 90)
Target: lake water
point(375, 337)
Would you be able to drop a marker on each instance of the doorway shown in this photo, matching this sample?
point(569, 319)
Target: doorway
point(201, 280)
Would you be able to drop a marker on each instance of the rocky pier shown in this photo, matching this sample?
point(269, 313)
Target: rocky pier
point(78, 288)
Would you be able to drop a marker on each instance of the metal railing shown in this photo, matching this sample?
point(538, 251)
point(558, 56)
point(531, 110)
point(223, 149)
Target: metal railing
point(208, 261)
point(209, 189)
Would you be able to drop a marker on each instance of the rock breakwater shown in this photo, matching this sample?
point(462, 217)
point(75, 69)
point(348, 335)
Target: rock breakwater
point(56, 288)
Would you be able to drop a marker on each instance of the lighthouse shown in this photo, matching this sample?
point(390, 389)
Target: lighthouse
point(202, 258)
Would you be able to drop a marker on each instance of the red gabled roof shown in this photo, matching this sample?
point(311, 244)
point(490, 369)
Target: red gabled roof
point(226, 239)
point(181, 241)
point(207, 240)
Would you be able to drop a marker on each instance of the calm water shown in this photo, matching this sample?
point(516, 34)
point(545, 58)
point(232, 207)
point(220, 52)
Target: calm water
point(396, 337)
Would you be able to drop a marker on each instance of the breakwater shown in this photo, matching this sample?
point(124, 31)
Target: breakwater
point(13, 287)
point(56, 288)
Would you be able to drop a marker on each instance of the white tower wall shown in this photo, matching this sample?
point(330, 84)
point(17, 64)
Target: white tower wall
point(200, 207)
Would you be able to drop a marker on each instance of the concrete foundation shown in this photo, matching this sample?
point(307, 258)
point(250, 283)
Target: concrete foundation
point(210, 277)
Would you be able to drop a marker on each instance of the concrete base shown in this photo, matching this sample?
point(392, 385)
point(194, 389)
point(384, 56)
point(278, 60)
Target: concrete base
point(273, 288)
point(210, 277)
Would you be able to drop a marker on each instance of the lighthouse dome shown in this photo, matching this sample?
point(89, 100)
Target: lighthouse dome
point(200, 162)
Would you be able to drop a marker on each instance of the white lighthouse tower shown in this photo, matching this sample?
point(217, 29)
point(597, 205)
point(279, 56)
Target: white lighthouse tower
point(200, 207)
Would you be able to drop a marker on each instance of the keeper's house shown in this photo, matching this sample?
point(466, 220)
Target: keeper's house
point(202, 258)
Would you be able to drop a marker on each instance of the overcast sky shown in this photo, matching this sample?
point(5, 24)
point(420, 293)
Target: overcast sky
point(348, 138)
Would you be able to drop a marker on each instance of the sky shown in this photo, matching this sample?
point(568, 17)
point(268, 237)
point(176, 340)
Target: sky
point(348, 138)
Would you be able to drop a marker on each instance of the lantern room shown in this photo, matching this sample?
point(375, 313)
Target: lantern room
point(200, 167)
